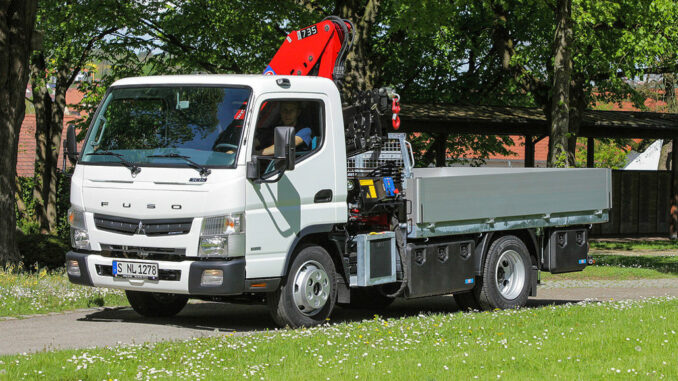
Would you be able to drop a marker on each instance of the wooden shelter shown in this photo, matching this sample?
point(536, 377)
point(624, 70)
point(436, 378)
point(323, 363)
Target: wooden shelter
point(531, 123)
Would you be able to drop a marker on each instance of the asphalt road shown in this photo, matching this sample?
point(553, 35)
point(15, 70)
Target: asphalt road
point(101, 327)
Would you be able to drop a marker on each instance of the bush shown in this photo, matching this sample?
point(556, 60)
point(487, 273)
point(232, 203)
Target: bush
point(47, 250)
point(42, 251)
point(27, 222)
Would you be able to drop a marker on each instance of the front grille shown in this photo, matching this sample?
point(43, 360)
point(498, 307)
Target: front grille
point(170, 275)
point(138, 252)
point(132, 226)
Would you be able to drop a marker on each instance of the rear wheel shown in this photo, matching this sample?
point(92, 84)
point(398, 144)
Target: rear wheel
point(506, 275)
point(155, 304)
point(309, 293)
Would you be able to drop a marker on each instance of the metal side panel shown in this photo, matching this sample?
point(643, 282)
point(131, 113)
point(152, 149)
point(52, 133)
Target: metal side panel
point(466, 200)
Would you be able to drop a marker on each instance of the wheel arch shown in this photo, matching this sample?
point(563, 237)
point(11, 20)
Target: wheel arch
point(527, 236)
point(314, 235)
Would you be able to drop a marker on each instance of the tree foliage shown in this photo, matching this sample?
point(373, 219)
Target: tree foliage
point(608, 153)
point(72, 31)
point(242, 36)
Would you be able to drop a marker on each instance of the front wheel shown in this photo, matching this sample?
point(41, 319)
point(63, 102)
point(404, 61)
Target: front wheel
point(155, 304)
point(309, 293)
point(506, 275)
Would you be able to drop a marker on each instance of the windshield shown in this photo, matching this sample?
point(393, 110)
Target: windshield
point(203, 124)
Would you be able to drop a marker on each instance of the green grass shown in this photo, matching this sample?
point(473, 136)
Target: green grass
point(605, 272)
point(24, 293)
point(634, 245)
point(43, 292)
point(662, 264)
point(598, 340)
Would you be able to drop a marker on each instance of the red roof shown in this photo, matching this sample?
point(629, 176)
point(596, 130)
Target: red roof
point(541, 150)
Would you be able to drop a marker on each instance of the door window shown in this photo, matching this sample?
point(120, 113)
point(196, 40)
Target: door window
point(306, 116)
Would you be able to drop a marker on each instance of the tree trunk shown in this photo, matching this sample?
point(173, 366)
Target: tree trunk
point(560, 96)
point(441, 149)
point(665, 156)
point(51, 167)
point(17, 22)
point(578, 103)
point(360, 71)
point(42, 103)
point(20, 205)
point(670, 92)
point(49, 116)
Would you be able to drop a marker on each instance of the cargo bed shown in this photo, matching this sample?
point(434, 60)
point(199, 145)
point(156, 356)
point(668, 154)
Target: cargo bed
point(455, 200)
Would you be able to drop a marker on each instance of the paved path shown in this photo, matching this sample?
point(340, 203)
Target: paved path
point(102, 327)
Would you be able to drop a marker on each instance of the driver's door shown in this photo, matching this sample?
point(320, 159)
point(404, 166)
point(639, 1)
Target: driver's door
point(276, 212)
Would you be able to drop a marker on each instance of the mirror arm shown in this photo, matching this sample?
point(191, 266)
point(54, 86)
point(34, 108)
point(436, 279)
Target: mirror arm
point(253, 170)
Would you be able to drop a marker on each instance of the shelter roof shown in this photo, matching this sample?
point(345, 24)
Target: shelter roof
point(499, 120)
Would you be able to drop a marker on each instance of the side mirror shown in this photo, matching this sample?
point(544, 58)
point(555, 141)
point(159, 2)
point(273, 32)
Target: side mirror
point(284, 150)
point(71, 145)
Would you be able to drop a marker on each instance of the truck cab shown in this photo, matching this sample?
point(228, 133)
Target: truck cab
point(161, 197)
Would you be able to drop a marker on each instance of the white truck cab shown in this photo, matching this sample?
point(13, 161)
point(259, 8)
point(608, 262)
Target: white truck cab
point(184, 222)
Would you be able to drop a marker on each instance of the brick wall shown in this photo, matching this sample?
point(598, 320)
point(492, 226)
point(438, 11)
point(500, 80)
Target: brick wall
point(25, 164)
point(26, 155)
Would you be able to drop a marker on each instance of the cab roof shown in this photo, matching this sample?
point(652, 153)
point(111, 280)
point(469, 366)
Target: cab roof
point(257, 82)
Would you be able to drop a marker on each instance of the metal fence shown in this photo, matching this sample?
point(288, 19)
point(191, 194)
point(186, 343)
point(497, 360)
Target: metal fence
point(640, 205)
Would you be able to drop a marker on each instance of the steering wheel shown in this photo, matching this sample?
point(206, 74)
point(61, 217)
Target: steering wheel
point(225, 148)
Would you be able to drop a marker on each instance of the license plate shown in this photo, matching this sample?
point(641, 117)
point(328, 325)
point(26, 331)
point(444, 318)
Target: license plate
point(142, 270)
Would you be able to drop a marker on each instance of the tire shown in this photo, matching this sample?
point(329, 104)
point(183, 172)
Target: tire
point(369, 297)
point(466, 301)
point(152, 304)
point(506, 275)
point(309, 293)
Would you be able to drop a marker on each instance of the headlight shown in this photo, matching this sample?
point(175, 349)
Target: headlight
point(76, 218)
point(217, 233)
point(79, 234)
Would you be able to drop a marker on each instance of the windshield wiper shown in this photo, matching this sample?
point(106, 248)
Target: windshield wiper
point(135, 169)
point(204, 172)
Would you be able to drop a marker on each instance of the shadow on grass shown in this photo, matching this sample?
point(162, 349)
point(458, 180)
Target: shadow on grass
point(662, 264)
point(229, 318)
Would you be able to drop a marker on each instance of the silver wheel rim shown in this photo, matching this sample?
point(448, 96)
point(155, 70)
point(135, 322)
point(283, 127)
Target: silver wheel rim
point(510, 274)
point(311, 288)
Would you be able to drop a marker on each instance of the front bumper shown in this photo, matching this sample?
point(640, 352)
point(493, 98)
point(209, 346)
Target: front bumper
point(182, 277)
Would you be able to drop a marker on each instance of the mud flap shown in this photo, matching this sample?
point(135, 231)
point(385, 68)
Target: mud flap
point(534, 275)
point(343, 292)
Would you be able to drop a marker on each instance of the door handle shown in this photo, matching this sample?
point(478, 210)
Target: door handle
point(324, 195)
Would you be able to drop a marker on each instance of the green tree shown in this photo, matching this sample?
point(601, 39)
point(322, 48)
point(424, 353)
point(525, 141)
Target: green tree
point(434, 52)
point(609, 153)
point(73, 32)
point(17, 25)
point(612, 42)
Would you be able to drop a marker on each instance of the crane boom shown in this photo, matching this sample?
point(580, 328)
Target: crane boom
point(319, 50)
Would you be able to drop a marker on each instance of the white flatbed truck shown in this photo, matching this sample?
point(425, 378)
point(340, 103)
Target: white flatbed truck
point(171, 199)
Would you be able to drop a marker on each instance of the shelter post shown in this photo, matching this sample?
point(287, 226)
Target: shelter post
point(590, 151)
point(529, 151)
